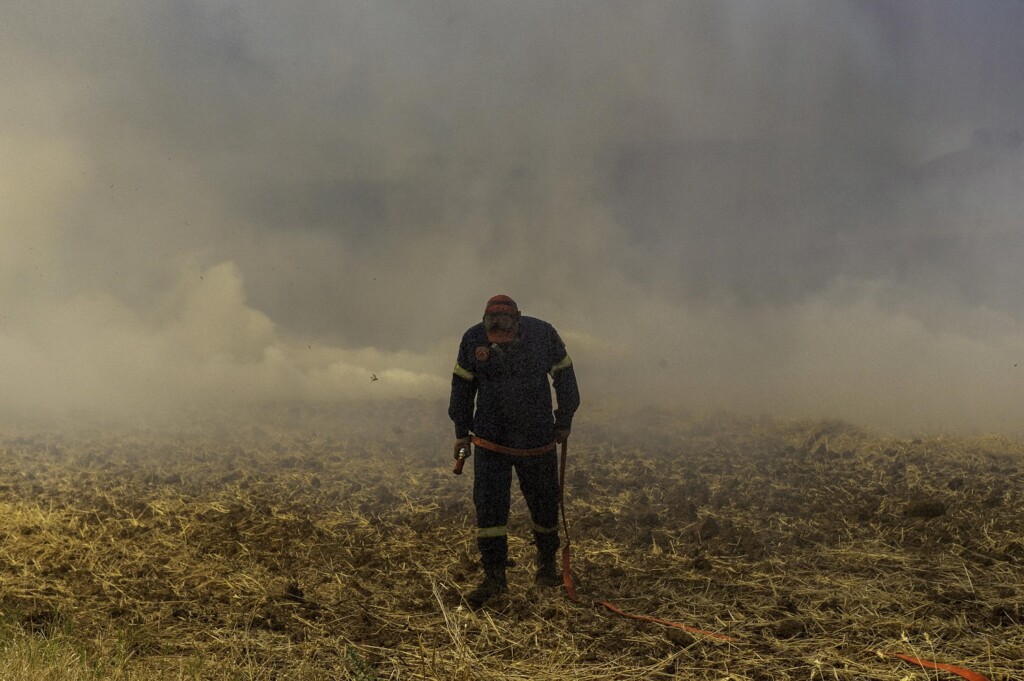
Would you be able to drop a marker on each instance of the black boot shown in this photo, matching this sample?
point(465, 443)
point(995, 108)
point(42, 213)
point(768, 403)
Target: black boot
point(494, 584)
point(547, 574)
point(547, 567)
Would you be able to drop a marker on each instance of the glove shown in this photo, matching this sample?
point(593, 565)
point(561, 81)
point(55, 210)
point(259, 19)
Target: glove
point(462, 443)
point(561, 436)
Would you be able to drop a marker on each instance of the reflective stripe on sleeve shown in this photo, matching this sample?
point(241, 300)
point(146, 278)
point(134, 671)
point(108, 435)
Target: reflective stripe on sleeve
point(499, 531)
point(564, 364)
point(462, 373)
point(544, 530)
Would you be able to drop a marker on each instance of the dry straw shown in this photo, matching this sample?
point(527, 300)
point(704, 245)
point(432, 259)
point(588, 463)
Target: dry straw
point(313, 550)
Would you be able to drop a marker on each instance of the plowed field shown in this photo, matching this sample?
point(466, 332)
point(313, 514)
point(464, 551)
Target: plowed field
point(303, 547)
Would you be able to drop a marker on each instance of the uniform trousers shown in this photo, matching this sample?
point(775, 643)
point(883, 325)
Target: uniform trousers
point(492, 484)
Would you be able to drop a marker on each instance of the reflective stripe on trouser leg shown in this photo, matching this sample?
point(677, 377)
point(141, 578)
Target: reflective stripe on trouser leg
point(500, 531)
point(538, 478)
point(546, 539)
point(492, 482)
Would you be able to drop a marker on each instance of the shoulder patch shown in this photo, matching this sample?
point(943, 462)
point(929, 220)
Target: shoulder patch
point(483, 353)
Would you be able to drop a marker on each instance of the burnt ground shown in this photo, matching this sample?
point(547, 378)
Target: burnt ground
point(298, 547)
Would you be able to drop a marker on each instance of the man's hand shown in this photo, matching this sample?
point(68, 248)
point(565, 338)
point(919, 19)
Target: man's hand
point(461, 447)
point(561, 436)
point(462, 443)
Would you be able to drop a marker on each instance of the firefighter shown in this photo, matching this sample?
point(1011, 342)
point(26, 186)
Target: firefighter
point(503, 365)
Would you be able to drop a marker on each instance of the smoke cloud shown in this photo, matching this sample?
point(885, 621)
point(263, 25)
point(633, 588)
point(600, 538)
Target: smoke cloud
point(802, 210)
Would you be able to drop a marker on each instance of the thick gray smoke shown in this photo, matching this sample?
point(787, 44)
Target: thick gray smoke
point(804, 209)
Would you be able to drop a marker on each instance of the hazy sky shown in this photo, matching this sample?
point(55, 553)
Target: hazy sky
point(799, 208)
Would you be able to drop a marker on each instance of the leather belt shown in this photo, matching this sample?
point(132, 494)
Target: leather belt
point(502, 449)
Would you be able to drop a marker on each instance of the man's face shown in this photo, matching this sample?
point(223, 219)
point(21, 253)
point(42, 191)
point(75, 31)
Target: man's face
point(500, 322)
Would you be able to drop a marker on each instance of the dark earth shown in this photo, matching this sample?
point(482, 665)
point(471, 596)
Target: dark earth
point(302, 546)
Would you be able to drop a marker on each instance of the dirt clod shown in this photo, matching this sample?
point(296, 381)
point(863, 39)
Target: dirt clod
point(926, 509)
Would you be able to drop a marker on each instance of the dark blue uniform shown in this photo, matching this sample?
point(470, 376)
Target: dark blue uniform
point(509, 383)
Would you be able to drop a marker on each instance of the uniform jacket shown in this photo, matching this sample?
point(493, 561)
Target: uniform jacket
point(510, 386)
